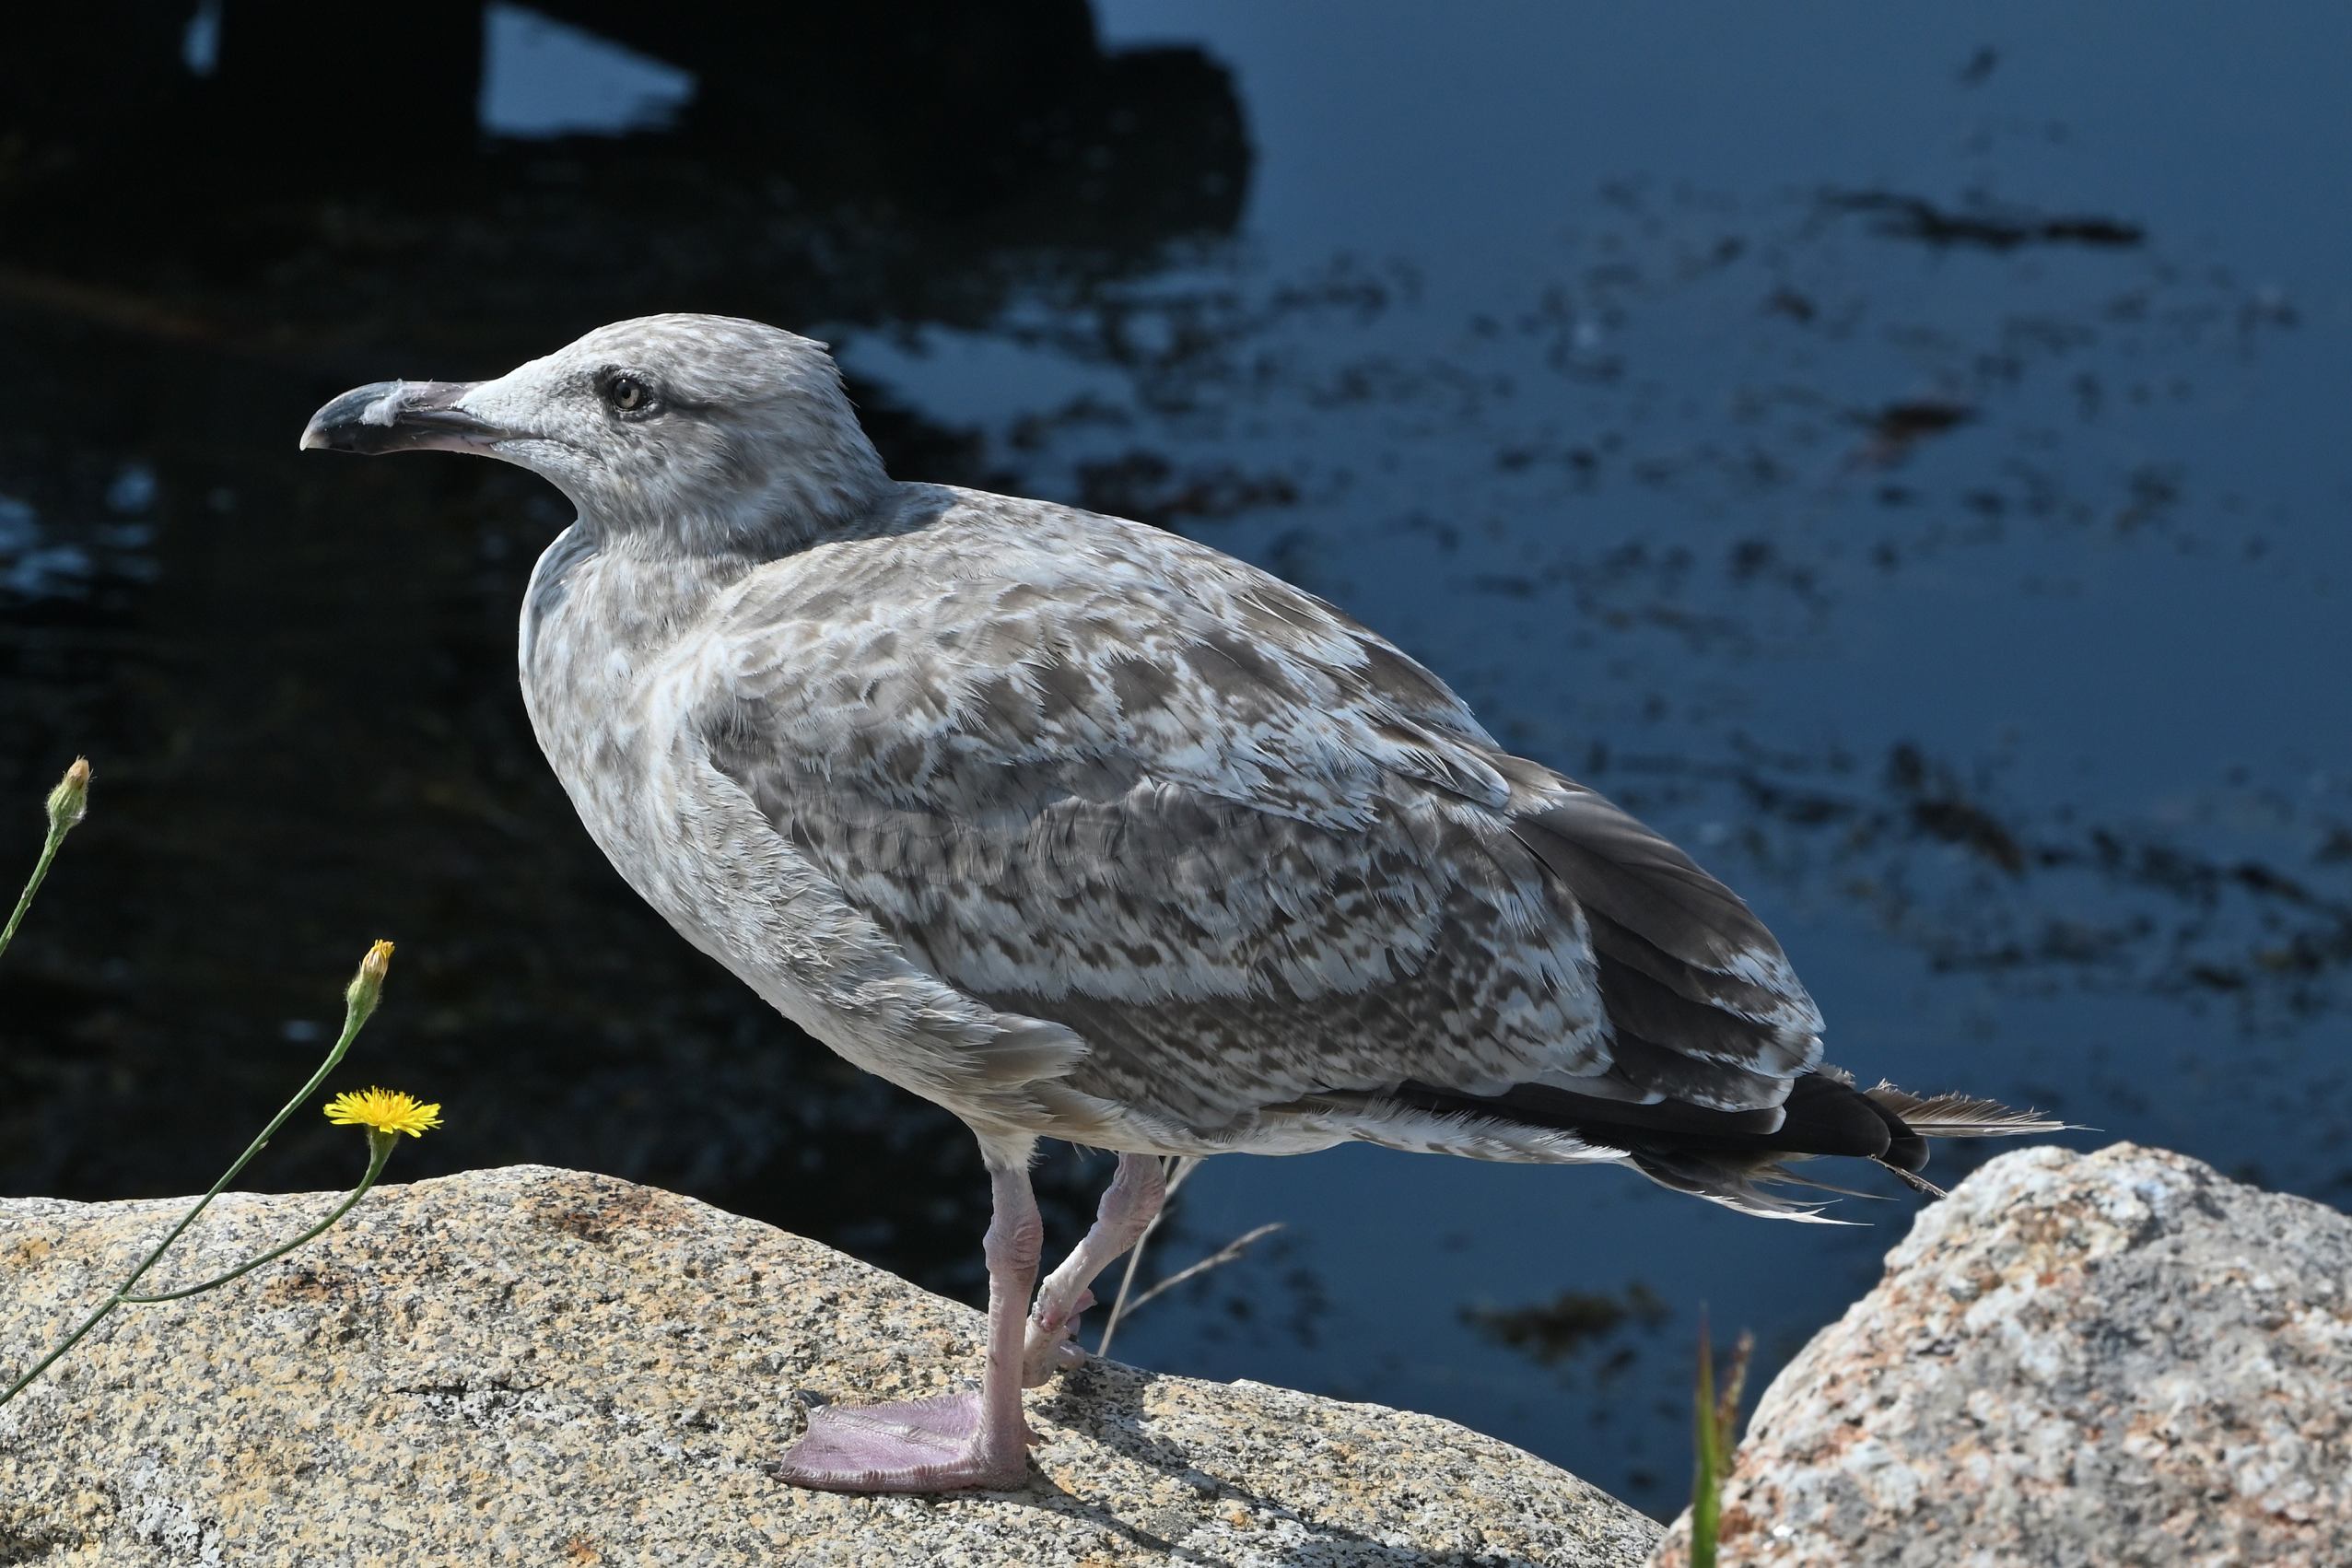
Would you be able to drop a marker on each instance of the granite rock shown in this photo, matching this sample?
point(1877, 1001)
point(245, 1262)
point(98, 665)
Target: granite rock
point(539, 1366)
point(2122, 1359)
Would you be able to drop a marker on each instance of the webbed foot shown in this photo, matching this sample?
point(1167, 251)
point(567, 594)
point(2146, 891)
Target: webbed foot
point(934, 1444)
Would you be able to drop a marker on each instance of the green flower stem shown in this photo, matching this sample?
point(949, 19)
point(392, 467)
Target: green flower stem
point(379, 1148)
point(358, 1003)
point(57, 831)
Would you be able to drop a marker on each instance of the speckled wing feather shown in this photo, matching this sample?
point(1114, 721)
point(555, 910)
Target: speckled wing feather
point(1256, 857)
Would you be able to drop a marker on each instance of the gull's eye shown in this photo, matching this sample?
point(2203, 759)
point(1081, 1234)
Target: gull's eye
point(626, 394)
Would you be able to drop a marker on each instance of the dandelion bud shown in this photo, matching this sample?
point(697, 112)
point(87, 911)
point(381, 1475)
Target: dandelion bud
point(70, 801)
point(367, 986)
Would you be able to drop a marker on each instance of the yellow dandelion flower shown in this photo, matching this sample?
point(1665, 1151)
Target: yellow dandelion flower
point(386, 1110)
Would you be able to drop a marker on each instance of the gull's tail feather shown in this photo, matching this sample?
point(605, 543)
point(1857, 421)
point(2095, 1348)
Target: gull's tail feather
point(1959, 1116)
point(1736, 1181)
point(1914, 1180)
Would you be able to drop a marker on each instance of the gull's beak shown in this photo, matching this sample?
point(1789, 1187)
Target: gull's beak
point(398, 416)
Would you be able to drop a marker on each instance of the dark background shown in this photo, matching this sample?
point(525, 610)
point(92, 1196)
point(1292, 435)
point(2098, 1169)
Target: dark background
point(1902, 454)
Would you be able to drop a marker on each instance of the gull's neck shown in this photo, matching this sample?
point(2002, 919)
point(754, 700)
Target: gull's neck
point(610, 594)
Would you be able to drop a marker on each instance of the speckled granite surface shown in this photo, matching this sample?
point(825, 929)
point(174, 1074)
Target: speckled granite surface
point(2120, 1359)
point(538, 1366)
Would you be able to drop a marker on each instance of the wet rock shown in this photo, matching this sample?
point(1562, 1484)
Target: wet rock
point(534, 1365)
point(2123, 1358)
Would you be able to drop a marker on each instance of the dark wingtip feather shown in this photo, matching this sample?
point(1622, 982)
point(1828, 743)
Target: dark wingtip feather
point(1739, 1158)
point(1741, 1179)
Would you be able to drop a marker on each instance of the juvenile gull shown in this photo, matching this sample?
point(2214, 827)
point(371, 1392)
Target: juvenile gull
point(1086, 831)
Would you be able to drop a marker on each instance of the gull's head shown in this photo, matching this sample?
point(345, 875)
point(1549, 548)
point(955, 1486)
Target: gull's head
point(692, 431)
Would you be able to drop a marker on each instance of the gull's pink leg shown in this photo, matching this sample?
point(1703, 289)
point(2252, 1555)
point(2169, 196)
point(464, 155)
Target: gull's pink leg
point(951, 1441)
point(1128, 1207)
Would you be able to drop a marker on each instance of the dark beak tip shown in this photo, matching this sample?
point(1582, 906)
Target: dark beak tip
point(335, 428)
point(385, 417)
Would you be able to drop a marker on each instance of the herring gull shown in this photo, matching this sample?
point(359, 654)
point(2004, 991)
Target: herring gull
point(1083, 830)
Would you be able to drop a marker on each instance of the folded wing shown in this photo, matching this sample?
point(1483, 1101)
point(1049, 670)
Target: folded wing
point(1254, 855)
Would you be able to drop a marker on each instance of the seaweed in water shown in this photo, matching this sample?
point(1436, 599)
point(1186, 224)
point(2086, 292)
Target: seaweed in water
point(1555, 1331)
point(1983, 224)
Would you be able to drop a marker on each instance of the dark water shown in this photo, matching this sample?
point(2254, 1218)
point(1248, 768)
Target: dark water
point(1902, 455)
